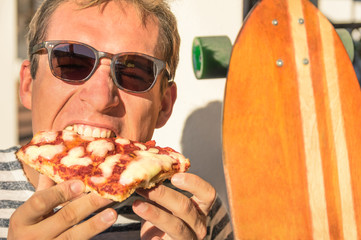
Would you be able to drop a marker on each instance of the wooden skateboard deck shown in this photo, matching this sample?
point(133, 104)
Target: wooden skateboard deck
point(292, 128)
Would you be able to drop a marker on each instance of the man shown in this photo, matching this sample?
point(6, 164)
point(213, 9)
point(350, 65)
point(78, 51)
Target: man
point(97, 95)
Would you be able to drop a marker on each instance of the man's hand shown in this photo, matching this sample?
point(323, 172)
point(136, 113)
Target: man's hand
point(173, 215)
point(35, 219)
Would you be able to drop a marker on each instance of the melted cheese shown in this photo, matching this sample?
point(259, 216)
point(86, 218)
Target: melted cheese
point(87, 138)
point(153, 150)
point(68, 135)
point(100, 147)
point(182, 160)
point(45, 151)
point(98, 180)
point(75, 157)
point(146, 166)
point(141, 146)
point(108, 165)
point(122, 141)
point(107, 169)
point(44, 137)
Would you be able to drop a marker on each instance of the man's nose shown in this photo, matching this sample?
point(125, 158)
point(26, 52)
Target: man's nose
point(100, 91)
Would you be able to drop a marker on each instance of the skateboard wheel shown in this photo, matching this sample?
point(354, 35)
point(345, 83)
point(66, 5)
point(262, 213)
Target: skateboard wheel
point(211, 56)
point(347, 42)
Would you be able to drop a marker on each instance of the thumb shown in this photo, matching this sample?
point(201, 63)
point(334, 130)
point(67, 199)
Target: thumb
point(44, 182)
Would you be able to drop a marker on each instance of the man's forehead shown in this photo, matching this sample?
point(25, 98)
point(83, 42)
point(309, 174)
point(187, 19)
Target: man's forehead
point(122, 7)
point(112, 20)
point(114, 11)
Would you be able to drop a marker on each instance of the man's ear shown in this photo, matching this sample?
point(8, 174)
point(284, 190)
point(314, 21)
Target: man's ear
point(26, 84)
point(168, 100)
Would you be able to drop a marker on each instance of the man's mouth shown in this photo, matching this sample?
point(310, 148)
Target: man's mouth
point(90, 131)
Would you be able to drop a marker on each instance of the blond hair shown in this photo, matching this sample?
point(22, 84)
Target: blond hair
point(168, 42)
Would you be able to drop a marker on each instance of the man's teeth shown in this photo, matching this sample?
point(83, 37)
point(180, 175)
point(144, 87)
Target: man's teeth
point(89, 131)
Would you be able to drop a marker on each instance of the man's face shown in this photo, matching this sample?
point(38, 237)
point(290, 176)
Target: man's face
point(97, 106)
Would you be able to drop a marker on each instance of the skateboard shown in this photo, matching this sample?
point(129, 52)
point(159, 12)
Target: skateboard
point(211, 54)
point(292, 127)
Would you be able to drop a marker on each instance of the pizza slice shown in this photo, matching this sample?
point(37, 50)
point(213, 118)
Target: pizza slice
point(111, 167)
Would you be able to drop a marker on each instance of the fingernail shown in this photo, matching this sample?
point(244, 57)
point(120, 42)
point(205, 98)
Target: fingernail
point(178, 179)
point(77, 187)
point(107, 216)
point(141, 206)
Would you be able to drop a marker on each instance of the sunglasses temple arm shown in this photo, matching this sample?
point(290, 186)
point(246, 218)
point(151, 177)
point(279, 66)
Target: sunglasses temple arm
point(37, 47)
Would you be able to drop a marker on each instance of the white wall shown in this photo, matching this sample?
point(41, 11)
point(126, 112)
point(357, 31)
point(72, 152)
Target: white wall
point(195, 126)
point(8, 70)
point(341, 11)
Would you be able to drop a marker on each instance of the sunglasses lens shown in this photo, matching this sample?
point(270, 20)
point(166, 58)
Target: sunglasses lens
point(72, 61)
point(134, 72)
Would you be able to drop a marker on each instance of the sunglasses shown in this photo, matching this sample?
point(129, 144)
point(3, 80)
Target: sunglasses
point(76, 62)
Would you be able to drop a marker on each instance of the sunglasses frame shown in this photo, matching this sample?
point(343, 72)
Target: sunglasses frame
point(49, 46)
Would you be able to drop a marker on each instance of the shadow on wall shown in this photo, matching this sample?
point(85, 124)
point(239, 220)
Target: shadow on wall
point(202, 144)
